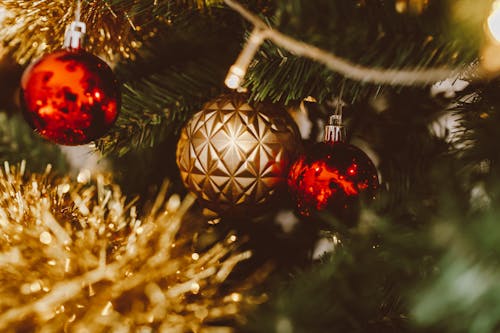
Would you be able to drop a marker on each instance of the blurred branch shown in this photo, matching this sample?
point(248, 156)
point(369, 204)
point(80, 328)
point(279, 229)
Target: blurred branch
point(18, 142)
point(343, 66)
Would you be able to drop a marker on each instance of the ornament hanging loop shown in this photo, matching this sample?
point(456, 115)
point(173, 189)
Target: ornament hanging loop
point(75, 32)
point(334, 129)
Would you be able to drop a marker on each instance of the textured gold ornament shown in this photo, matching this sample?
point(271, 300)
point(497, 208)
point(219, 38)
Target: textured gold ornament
point(234, 156)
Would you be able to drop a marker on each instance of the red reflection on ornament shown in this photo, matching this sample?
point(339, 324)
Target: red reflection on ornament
point(70, 97)
point(352, 170)
point(331, 177)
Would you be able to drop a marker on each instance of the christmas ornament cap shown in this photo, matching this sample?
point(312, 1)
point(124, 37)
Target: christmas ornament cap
point(74, 36)
point(334, 130)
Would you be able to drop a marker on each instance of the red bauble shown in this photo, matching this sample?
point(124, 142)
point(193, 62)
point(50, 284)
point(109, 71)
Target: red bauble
point(331, 177)
point(70, 97)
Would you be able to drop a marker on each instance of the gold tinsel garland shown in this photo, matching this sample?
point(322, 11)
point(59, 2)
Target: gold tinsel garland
point(30, 28)
point(74, 256)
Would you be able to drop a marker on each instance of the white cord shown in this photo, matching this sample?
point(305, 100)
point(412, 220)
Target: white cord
point(78, 11)
point(348, 69)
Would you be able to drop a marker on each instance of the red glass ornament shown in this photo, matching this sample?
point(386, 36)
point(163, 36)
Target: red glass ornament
point(70, 97)
point(331, 177)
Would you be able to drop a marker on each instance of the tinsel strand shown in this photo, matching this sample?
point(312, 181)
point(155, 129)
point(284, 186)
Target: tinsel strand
point(76, 256)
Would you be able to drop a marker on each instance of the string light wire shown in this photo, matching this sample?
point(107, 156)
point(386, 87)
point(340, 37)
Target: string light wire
point(342, 66)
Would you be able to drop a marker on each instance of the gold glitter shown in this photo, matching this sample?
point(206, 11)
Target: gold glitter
point(45, 238)
point(64, 188)
point(35, 287)
point(84, 176)
point(195, 287)
point(310, 99)
point(67, 265)
point(214, 221)
point(107, 309)
point(91, 291)
point(411, 6)
point(87, 267)
point(235, 297)
point(25, 289)
point(201, 313)
point(173, 203)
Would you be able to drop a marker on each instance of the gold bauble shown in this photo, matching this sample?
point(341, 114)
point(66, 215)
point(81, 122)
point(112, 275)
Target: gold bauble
point(234, 156)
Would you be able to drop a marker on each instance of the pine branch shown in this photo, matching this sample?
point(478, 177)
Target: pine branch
point(163, 88)
point(18, 142)
point(115, 29)
point(381, 277)
point(361, 287)
point(463, 294)
point(372, 34)
point(158, 105)
point(148, 11)
point(163, 7)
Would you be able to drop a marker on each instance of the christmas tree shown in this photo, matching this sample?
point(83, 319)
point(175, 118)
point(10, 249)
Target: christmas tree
point(249, 166)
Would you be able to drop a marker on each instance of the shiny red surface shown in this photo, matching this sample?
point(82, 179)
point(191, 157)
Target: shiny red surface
point(70, 97)
point(331, 177)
